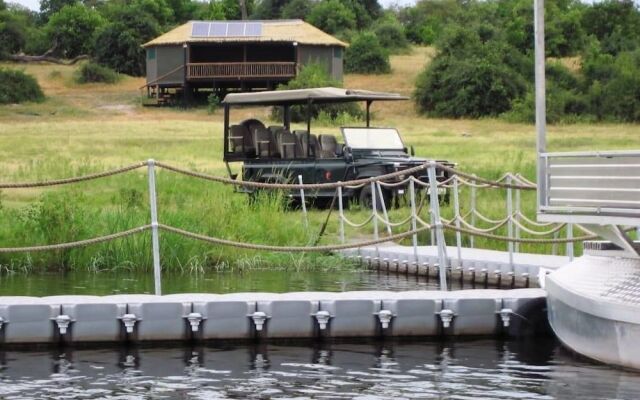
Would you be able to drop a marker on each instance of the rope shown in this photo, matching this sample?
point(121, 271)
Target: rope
point(80, 243)
point(520, 240)
point(557, 228)
point(487, 219)
point(483, 180)
point(290, 186)
point(360, 225)
point(532, 222)
point(486, 230)
point(21, 185)
point(252, 246)
point(393, 224)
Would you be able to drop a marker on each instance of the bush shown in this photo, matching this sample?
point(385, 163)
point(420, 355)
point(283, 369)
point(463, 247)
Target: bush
point(392, 37)
point(332, 16)
point(313, 76)
point(213, 102)
point(367, 56)
point(18, 87)
point(95, 73)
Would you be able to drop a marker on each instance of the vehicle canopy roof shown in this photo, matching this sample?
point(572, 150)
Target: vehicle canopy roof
point(303, 96)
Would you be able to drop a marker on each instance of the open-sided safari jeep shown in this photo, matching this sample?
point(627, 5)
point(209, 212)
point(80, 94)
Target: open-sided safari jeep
point(278, 154)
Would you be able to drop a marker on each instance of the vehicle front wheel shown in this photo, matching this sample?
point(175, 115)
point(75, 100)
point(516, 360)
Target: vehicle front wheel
point(365, 200)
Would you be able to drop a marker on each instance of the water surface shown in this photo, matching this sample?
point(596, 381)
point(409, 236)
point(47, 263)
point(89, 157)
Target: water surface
point(480, 369)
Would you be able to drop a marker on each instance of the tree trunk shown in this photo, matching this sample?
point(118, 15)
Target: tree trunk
point(46, 58)
point(243, 9)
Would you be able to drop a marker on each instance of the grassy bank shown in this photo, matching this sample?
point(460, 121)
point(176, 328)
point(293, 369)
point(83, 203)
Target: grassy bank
point(96, 127)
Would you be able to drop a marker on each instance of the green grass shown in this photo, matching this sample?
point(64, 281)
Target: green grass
point(97, 127)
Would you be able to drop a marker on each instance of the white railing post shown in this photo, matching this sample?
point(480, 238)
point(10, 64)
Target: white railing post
point(341, 213)
point(570, 243)
point(374, 211)
point(414, 225)
point(456, 208)
point(510, 222)
point(473, 211)
point(303, 202)
point(439, 233)
point(517, 216)
point(384, 209)
point(155, 240)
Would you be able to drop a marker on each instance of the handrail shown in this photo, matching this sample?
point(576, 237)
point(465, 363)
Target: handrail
point(161, 77)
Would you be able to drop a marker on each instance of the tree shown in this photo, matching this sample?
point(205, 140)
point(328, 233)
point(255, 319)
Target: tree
point(13, 34)
point(367, 56)
point(332, 16)
point(72, 30)
point(50, 7)
point(118, 44)
point(296, 9)
point(227, 9)
point(391, 36)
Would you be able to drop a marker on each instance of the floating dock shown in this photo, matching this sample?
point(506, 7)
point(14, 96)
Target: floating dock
point(264, 316)
point(475, 265)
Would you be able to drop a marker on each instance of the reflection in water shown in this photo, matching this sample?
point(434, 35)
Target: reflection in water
point(376, 370)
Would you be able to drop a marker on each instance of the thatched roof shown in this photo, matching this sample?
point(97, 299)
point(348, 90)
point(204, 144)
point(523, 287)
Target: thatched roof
point(272, 31)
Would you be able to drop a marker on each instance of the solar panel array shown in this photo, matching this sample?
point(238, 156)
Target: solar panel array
point(226, 29)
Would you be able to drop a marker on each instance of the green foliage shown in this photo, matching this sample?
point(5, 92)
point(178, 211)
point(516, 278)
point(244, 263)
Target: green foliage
point(366, 55)
point(332, 16)
point(296, 9)
point(391, 36)
point(13, 33)
point(18, 87)
point(72, 30)
point(213, 103)
point(118, 44)
point(95, 73)
point(312, 76)
point(227, 9)
point(50, 7)
point(615, 23)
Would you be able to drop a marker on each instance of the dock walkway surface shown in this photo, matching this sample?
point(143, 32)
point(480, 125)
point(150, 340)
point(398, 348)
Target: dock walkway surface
point(471, 261)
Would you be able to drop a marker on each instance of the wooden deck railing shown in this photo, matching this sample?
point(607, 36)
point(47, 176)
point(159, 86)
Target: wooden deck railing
point(241, 70)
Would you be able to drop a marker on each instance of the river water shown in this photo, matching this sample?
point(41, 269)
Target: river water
point(478, 369)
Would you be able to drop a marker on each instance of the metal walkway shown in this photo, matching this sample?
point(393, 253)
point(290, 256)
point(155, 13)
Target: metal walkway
point(471, 261)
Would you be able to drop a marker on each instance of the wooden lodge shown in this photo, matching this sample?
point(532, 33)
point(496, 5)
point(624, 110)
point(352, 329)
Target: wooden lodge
point(228, 56)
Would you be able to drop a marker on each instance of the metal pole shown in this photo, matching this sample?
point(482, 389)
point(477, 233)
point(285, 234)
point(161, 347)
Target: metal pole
point(456, 207)
point(384, 209)
point(341, 213)
point(414, 226)
point(155, 240)
point(303, 202)
point(374, 211)
point(570, 244)
point(541, 110)
point(517, 216)
point(510, 223)
point(435, 207)
point(473, 211)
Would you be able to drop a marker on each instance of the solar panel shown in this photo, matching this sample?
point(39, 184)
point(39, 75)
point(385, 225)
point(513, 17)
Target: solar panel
point(218, 29)
point(235, 29)
point(226, 29)
point(253, 29)
point(200, 29)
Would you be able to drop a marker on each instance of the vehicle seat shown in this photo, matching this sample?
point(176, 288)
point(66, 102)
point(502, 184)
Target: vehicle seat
point(313, 139)
point(253, 124)
point(265, 143)
point(328, 146)
point(241, 141)
point(288, 145)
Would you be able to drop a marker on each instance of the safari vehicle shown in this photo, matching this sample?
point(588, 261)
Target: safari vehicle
point(278, 154)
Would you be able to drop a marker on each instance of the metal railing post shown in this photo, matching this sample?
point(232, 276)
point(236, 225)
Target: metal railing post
point(517, 216)
point(341, 213)
point(414, 225)
point(439, 233)
point(456, 208)
point(374, 211)
point(155, 240)
point(384, 209)
point(570, 244)
point(510, 222)
point(473, 211)
point(303, 202)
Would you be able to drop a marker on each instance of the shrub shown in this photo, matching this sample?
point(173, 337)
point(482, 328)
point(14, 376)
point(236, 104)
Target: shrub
point(18, 87)
point(95, 73)
point(367, 56)
point(213, 102)
point(332, 16)
point(391, 36)
point(312, 76)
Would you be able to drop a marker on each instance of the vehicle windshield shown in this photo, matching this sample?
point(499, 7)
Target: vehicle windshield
point(372, 138)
